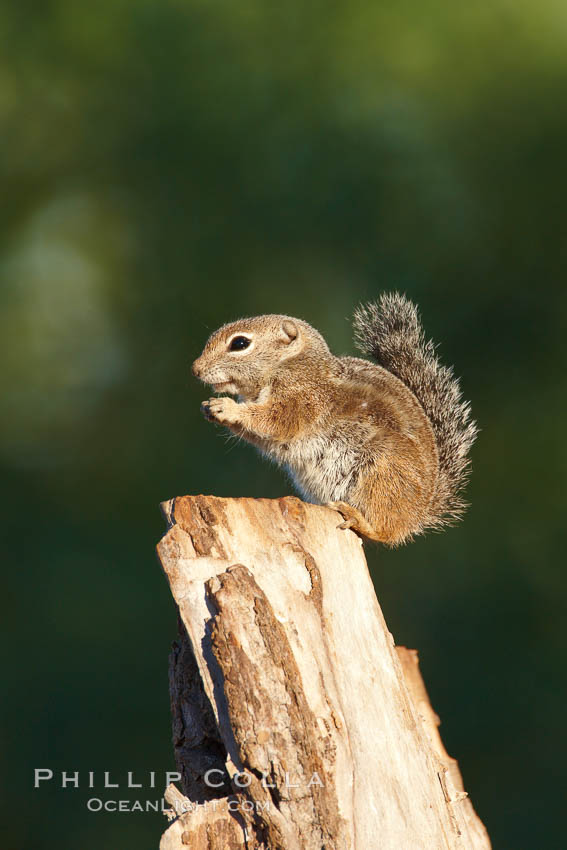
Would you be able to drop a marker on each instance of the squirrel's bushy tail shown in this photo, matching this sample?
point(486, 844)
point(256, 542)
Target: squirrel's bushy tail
point(390, 331)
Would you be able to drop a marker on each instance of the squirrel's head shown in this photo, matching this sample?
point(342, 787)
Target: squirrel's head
point(242, 357)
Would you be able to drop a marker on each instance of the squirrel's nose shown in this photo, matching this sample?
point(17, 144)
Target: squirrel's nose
point(195, 368)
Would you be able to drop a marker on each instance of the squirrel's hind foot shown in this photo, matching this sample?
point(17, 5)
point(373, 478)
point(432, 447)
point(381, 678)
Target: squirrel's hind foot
point(353, 519)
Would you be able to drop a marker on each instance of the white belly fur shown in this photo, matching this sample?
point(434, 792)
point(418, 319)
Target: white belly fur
point(323, 468)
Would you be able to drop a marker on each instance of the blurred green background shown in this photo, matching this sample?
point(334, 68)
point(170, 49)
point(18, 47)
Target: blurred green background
point(169, 166)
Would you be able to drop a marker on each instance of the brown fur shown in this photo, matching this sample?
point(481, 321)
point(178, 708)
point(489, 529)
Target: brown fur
point(349, 432)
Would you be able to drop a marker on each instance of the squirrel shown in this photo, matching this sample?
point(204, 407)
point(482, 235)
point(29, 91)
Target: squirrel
point(385, 444)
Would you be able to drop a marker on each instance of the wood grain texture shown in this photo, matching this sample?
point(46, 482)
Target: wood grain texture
point(286, 684)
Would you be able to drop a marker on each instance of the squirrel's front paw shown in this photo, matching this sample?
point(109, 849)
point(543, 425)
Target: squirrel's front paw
point(223, 410)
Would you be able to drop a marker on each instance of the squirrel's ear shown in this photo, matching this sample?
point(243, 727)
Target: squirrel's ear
point(288, 331)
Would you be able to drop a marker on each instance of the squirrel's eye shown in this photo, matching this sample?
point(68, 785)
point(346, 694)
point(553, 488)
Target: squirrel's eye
point(239, 343)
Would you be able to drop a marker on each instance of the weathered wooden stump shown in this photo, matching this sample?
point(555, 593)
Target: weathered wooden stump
point(296, 722)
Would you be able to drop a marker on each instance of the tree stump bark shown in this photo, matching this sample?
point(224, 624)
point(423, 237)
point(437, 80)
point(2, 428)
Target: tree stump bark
point(297, 725)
